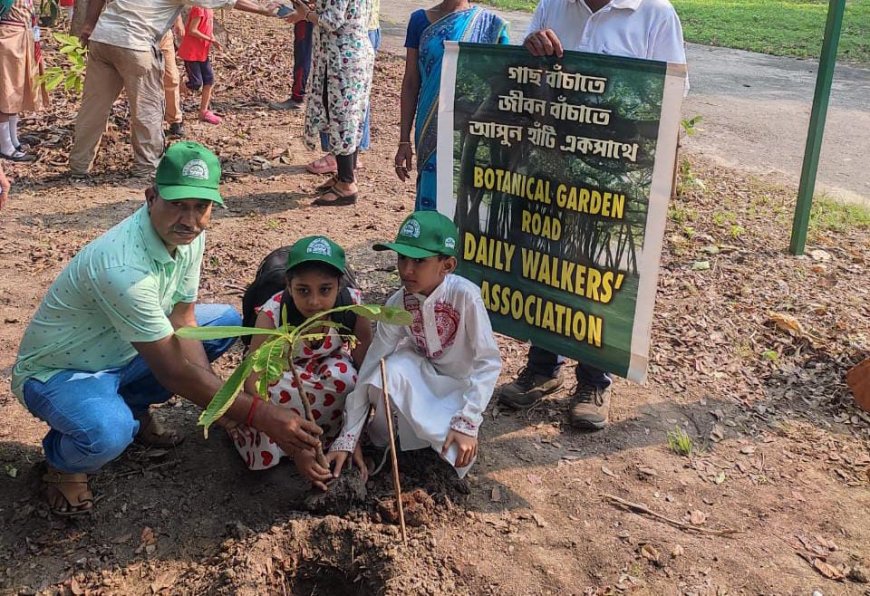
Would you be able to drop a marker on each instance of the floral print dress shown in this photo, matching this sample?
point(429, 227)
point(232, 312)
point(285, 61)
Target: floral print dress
point(327, 373)
point(341, 75)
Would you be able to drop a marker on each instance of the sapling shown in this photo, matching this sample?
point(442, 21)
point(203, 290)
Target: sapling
point(275, 356)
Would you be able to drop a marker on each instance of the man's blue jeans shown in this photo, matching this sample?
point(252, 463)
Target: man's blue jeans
point(92, 415)
point(542, 362)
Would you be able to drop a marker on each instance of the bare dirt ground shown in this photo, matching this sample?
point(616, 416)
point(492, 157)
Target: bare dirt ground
point(773, 500)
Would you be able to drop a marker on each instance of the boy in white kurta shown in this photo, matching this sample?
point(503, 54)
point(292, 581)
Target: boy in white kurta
point(442, 369)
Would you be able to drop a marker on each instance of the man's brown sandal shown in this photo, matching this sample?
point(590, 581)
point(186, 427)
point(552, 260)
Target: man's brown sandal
point(153, 434)
point(73, 489)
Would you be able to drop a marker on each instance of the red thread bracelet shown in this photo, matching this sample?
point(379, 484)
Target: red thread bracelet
point(250, 418)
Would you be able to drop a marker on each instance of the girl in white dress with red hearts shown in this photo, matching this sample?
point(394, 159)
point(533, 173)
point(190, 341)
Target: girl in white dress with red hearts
point(327, 369)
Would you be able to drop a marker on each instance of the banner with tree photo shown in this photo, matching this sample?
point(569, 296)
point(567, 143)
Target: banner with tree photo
point(559, 182)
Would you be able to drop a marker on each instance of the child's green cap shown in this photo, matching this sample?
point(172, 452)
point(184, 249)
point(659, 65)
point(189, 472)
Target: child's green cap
point(424, 234)
point(316, 248)
point(189, 171)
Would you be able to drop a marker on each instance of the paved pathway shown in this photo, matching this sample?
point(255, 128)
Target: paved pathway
point(755, 109)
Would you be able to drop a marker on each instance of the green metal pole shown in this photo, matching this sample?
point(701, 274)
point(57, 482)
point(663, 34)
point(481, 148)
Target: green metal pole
point(824, 78)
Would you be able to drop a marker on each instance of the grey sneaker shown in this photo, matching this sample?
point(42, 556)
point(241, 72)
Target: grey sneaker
point(287, 104)
point(590, 407)
point(176, 129)
point(527, 389)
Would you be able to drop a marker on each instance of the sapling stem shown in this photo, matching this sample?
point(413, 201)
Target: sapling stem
point(395, 461)
point(318, 451)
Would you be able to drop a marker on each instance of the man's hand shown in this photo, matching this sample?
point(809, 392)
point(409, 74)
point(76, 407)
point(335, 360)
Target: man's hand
point(4, 188)
point(404, 161)
point(290, 431)
point(544, 43)
point(306, 463)
point(467, 447)
point(85, 34)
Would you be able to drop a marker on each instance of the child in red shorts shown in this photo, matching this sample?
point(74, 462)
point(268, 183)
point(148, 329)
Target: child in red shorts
point(194, 49)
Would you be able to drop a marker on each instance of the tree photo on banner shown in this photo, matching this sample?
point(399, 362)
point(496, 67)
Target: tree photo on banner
point(559, 184)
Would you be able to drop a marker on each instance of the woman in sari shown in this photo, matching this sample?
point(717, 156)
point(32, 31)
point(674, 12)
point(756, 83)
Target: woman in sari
point(452, 20)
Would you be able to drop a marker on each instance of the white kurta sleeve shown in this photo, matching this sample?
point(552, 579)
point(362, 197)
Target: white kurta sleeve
point(486, 366)
point(356, 406)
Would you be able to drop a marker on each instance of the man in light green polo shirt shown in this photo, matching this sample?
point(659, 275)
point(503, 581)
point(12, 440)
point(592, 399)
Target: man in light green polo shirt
point(101, 347)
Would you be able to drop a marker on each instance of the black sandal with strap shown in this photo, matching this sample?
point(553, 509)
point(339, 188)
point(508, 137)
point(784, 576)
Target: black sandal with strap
point(73, 488)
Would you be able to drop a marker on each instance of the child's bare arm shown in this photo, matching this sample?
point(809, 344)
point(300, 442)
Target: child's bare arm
point(178, 28)
point(363, 332)
point(193, 30)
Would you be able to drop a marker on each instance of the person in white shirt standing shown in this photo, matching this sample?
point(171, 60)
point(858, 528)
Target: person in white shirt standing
point(648, 29)
point(124, 53)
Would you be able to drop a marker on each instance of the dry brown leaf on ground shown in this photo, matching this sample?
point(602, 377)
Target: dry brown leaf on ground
point(787, 323)
point(828, 570)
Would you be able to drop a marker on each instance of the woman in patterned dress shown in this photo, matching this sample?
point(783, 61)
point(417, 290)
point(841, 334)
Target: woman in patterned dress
point(341, 79)
point(327, 368)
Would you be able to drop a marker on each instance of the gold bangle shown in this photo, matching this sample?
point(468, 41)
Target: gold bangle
point(404, 143)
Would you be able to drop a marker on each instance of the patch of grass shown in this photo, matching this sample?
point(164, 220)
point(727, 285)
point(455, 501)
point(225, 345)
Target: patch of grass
point(828, 215)
point(778, 27)
point(680, 442)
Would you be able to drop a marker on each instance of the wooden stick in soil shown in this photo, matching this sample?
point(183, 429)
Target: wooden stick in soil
point(318, 452)
point(389, 414)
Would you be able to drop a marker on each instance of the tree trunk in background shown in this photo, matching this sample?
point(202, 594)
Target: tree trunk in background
point(79, 13)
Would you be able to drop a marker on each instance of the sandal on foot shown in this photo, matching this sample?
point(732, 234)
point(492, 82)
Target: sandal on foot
point(153, 434)
point(326, 186)
point(73, 489)
point(323, 165)
point(340, 200)
point(18, 156)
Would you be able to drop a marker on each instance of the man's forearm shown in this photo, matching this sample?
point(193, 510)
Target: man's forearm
point(95, 7)
point(251, 6)
point(199, 385)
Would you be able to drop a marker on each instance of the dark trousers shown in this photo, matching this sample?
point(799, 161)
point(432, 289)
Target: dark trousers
point(301, 58)
point(542, 362)
point(346, 163)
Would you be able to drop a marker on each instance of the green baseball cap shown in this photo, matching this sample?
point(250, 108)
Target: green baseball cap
point(424, 234)
point(189, 171)
point(316, 248)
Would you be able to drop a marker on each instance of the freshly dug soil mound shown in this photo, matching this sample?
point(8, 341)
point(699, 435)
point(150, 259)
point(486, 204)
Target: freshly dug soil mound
point(331, 556)
point(418, 506)
point(345, 493)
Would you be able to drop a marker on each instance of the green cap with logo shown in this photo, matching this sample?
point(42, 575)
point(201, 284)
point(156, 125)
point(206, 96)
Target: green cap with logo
point(189, 171)
point(316, 248)
point(424, 234)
